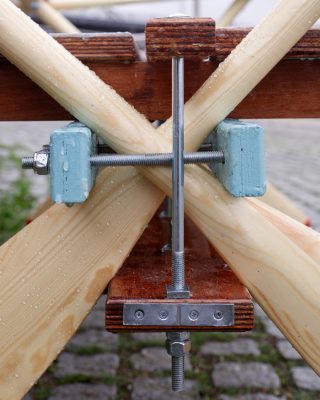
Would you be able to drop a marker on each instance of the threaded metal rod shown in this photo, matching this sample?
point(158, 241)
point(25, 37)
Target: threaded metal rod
point(177, 365)
point(153, 159)
point(27, 162)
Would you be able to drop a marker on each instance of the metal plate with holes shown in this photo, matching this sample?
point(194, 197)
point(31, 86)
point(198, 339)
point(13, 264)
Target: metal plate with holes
point(180, 314)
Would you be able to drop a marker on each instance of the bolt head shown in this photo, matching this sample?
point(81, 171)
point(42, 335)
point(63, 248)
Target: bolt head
point(178, 349)
point(218, 315)
point(139, 314)
point(194, 315)
point(41, 162)
point(163, 314)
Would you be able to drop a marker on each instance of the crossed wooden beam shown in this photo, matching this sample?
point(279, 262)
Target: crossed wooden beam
point(46, 10)
point(53, 271)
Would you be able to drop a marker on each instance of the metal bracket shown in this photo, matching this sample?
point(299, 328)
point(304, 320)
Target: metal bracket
point(178, 314)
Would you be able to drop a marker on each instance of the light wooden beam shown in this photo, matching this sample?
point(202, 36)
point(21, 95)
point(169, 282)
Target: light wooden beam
point(70, 4)
point(231, 13)
point(53, 18)
point(267, 260)
point(274, 198)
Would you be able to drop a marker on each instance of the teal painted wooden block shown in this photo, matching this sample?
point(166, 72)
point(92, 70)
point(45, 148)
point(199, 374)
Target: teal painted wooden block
point(71, 174)
point(243, 173)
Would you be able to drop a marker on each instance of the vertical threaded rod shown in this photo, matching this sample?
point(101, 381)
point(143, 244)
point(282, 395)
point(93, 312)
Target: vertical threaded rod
point(177, 364)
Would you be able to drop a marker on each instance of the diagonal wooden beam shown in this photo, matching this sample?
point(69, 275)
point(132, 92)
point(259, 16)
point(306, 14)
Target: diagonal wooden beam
point(53, 18)
point(70, 4)
point(232, 11)
point(247, 246)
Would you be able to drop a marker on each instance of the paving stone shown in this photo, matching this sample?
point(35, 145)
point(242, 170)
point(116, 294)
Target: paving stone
point(305, 378)
point(149, 336)
point(96, 366)
point(95, 320)
point(94, 337)
point(287, 351)
point(101, 303)
point(27, 397)
point(237, 375)
point(258, 312)
point(271, 329)
point(238, 346)
point(80, 391)
point(160, 389)
point(152, 359)
point(254, 396)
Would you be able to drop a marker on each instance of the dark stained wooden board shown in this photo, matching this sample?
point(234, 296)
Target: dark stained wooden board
point(98, 47)
point(291, 90)
point(147, 271)
point(192, 38)
point(228, 38)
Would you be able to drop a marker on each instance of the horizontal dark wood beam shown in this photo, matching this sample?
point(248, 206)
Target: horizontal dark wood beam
point(98, 47)
point(291, 89)
point(227, 39)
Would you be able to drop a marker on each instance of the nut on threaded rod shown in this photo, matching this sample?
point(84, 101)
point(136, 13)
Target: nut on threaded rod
point(178, 346)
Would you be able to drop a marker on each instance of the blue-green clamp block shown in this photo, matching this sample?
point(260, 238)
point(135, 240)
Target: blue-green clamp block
point(243, 172)
point(72, 176)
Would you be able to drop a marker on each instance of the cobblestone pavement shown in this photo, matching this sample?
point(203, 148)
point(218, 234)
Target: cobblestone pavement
point(258, 365)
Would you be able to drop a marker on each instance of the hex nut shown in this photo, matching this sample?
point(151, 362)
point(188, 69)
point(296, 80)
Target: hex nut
point(178, 349)
point(41, 162)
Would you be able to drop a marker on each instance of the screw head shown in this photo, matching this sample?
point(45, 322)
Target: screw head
point(218, 315)
point(193, 315)
point(163, 314)
point(139, 314)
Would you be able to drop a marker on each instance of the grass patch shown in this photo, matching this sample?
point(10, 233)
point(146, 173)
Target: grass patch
point(198, 339)
point(16, 201)
point(77, 378)
point(42, 392)
point(87, 350)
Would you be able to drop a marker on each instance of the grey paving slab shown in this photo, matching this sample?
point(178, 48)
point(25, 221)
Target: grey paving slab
point(149, 336)
point(237, 347)
point(95, 366)
point(151, 359)
point(81, 391)
point(254, 396)
point(271, 329)
point(241, 375)
point(305, 378)
point(94, 320)
point(258, 312)
point(101, 303)
point(93, 337)
point(287, 351)
point(160, 389)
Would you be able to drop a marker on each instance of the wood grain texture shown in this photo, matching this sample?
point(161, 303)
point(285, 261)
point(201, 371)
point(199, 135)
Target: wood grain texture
point(231, 12)
point(101, 47)
point(276, 199)
point(55, 269)
point(308, 47)
point(264, 258)
point(290, 90)
point(146, 273)
point(192, 38)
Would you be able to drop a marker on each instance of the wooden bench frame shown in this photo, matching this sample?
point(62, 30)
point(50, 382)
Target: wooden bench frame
point(290, 90)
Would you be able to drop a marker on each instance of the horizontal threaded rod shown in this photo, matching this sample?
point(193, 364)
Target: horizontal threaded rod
point(156, 159)
point(27, 162)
